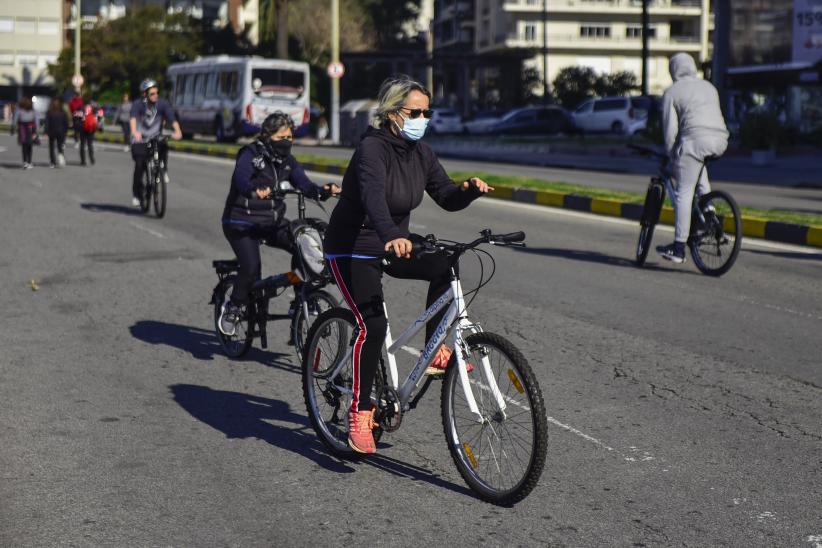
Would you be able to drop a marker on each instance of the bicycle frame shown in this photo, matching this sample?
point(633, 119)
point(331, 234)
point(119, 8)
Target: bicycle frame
point(456, 311)
point(667, 182)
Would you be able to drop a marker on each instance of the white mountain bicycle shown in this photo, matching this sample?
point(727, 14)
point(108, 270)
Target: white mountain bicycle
point(493, 416)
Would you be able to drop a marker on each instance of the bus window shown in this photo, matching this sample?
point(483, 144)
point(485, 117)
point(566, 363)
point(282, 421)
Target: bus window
point(180, 89)
point(279, 82)
point(199, 88)
point(233, 86)
point(189, 89)
point(211, 86)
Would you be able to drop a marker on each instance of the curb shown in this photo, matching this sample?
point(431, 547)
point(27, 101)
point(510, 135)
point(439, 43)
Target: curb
point(752, 227)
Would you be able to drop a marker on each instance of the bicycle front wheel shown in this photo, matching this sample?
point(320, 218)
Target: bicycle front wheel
point(160, 194)
point(715, 241)
point(650, 216)
point(328, 378)
point(145, 191)
point(501, 456)
point(317, 302)
point(236, 345)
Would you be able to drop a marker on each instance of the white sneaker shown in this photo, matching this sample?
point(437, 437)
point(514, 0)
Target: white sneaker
point(135, 202)
point(126, 148)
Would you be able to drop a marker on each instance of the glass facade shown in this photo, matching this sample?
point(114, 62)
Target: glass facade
point(761, 32)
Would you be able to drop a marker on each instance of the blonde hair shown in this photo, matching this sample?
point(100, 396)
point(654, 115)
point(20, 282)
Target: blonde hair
point(392, 94)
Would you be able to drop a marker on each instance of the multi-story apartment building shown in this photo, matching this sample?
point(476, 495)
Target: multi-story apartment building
point(605, 35)
point(30, 38)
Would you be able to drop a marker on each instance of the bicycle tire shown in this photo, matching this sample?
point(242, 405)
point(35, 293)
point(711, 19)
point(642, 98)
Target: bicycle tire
point(145, 190)
point(160, 196)
point(318, 302)
point(328, 340)
point(237, 345)
point(715, 245)
point(650, 216)
point(477, 469)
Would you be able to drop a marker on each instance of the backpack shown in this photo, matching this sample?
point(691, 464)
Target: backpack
point(89, 120)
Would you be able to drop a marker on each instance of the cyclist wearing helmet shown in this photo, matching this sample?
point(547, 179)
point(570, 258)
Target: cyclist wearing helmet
point(254, 211)
point(146, 122)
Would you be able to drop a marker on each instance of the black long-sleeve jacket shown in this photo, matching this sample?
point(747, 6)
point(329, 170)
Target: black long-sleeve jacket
point(384, 181)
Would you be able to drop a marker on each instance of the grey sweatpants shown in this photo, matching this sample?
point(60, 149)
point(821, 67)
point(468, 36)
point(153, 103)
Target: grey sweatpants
point(686, 165)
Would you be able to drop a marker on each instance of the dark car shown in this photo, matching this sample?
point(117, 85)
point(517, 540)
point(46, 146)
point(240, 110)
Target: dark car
point(534, 121)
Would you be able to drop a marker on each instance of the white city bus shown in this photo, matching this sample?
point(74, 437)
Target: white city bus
point(229, 97)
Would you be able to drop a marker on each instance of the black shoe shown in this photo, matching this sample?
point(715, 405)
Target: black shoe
point(674, 252)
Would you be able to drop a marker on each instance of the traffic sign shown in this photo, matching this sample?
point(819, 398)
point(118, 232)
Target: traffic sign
point(77, 80)
point(335, 70)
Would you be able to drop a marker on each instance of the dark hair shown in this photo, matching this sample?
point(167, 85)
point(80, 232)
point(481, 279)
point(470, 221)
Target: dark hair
point(56, 104)
point(274, 122)
point(25, 103)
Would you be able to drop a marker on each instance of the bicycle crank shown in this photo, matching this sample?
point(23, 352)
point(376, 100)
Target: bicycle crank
point(390, 409)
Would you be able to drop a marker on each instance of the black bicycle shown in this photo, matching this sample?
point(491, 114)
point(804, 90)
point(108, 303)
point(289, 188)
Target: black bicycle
point(716, 223)
point(155, 178)
point(308, 273)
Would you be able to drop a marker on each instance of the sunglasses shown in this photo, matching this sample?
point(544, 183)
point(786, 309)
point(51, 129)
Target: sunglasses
point(416, 112)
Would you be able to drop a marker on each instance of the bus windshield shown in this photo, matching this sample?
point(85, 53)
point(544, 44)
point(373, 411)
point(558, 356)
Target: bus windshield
point(271, 82)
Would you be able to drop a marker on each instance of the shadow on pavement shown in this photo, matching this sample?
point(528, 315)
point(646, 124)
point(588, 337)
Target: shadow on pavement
point(244, 416)
point(240, 416)
point(788, 254)
point(593, 257)
point(202, 344)
point(113, 208)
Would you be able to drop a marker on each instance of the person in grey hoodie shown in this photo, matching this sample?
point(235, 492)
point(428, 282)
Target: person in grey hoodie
point(694, 129)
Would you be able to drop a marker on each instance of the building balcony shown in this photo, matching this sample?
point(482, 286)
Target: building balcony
point(574, 42)
point(657, 7)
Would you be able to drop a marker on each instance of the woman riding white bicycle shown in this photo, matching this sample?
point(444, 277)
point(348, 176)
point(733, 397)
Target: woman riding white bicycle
point(694, 130)
point(384, 181)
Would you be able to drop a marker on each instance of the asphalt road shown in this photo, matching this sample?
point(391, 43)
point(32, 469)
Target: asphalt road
point(683, 410)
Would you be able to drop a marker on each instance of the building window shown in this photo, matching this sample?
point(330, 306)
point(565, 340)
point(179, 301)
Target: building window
point(590, 31)
point(47, 59)
point(636, 32)
point(6, 58)
point(49, 26)
point(530, 32)
point(26, 26)
point(6, 24)
point(27, 59)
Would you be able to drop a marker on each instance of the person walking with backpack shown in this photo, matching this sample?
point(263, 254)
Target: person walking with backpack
point(89, 127)
point(25, 122)
point(57, 124)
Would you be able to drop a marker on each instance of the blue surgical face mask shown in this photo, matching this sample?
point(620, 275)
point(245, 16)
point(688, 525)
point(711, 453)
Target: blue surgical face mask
point(413, 128)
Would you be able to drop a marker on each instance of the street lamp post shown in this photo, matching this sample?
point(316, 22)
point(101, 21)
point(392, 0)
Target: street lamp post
point(335, 82)
point(545, 90)
point(77, 24)
point(645, 32)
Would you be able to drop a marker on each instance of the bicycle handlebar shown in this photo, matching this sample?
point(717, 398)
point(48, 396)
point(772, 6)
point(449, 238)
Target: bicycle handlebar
point(430, 244)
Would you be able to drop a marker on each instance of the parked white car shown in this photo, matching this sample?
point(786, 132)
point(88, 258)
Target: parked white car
point(614, 114)
point(483, 122)
point(445, 120)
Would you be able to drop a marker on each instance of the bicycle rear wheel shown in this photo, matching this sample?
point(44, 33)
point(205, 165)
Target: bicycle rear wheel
point(145, 190)
point(715, 242)
point(650, 216)
point(327, 388)
point(237, 345)
point(502, 458)
point(317, 302)
point(160, 194)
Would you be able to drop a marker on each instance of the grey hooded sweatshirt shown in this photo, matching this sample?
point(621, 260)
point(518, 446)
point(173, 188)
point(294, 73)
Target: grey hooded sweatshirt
point(691, 116)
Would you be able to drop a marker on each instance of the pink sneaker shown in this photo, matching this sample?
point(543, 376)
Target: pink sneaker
point(360, 437)
point(440, 362)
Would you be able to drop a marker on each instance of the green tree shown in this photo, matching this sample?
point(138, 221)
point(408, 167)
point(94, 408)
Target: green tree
point(573, 85)
point(617, 83)
point(118, 54)
point(389, 18)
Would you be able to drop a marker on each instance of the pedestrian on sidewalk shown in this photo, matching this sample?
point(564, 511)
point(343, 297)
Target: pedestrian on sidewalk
point(121, 117)
point(89, 128)
point(25, 122)
point(57, 124)
point(694, 129)
point(76, 110)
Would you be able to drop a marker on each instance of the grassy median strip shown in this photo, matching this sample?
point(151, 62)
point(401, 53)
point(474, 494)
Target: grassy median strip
point(628, 197)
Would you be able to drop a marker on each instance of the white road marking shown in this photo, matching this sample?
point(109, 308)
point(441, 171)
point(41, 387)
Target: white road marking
point(747, 241)
point(3, 149)
point(765, 516)
point(146, 229)
point(816, 540)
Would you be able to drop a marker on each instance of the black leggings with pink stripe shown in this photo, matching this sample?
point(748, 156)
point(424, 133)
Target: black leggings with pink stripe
point(360, 282)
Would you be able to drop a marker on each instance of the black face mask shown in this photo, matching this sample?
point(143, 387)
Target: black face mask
point(280, 148)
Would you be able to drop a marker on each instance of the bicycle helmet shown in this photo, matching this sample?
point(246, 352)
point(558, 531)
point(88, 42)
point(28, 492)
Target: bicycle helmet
point(147, 84)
